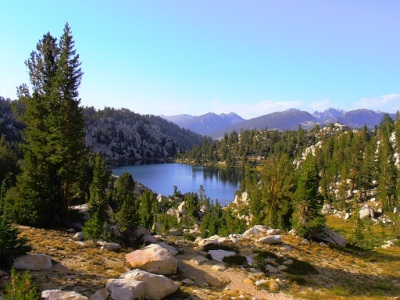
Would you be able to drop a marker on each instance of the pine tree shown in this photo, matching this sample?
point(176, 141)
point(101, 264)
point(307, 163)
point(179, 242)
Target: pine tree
point(307, 218)
point(11, 245)
point(124, 190)
point(397, 135)
point(54, 146)
point(69, 128)
point(98, 203)
point(146, 209)
point(386, 190)
point(278, 187)
point(368, 169)
point(21, 287)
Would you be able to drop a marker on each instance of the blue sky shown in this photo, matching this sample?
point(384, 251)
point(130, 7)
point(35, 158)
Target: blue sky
point(250, 57)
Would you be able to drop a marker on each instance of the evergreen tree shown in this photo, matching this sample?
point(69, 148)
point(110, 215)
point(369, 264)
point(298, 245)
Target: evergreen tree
point(397, 135)
point(8, 159)
point(368, 169)
point(124, 190)
point(11, 245)
point(54, 146)
point(278, 187)
point(386, 190)
point(98, 203)
point(148, 200)
point(127, 219)
point(21, 287)
point(307, 218)
point(126, 206)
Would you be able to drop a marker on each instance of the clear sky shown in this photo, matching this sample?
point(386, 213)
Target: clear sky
point(196, 56)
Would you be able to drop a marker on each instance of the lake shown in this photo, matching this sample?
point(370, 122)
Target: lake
point(220, 184)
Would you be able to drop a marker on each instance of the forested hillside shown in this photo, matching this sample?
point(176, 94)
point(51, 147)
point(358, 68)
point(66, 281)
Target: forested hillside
point(121, 135)
point(348, 168)
point(126, 137)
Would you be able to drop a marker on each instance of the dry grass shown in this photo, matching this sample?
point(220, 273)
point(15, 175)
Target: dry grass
point(342, 273)
point(84, 269)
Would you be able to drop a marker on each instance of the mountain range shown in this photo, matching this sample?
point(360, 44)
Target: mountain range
point(216, 126)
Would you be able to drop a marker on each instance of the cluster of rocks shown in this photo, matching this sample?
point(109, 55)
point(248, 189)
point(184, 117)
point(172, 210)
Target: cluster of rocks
point(388, 244)
point(370, 210)
point(147, 280)
point(153, 265)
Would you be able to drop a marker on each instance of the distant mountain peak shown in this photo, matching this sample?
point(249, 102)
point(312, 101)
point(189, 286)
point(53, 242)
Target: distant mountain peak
point(331, 114)
point(207, 123)
point(216, 125)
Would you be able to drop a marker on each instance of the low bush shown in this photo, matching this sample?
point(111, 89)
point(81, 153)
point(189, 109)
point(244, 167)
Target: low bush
point(21, 287)
point(11, 245)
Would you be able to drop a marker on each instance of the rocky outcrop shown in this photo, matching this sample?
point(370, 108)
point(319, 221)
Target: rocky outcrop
point(329, 236)
point(154, 259)
point(214, 281)
point(124, 289)
point(78, 236)
point(256, 230)
point(102, 294)
point(366, 212)
point(144, 235)
point(270, 239)
point(156, 286)
point(33, 262)
point(125, 136)
point(172, 250)
point(219, 255)
point(109, 246)
point(62, 295)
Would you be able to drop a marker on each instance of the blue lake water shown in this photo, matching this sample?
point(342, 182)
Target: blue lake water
point(220, 184)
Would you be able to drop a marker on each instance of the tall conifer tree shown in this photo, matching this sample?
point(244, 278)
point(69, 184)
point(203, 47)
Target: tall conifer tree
point(307, 218)
point(54, 137)
point(386, 190)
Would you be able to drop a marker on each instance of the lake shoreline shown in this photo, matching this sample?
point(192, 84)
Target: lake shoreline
point(219, 183)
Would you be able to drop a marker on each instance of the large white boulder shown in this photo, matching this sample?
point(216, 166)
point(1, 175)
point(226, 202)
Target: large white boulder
point(33, 262)
point(270, 239)
point(126, 289)
point(154, 259)
point(102, 294)
point(273, 231)
point(157, 286)
point(144, 235)
point(62, 295)
point(111, 247)
point(170, 248)
point(78, 236)
point(366, 212)
point(219, 255)
point(215, 239)
point(256, 230)
point(182, 208)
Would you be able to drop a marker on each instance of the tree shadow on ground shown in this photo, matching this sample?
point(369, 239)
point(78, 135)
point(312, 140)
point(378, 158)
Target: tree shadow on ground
point(361, 274)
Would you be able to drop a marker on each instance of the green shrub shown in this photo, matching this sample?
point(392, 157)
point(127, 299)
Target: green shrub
point(21, 287)
point(11, 245)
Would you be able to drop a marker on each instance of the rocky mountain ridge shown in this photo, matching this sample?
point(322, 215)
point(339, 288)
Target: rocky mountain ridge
point(125, 137)
point(289, 119)
point(206, 123)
